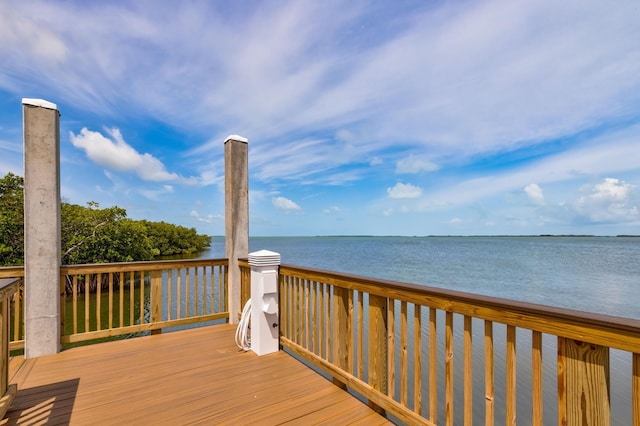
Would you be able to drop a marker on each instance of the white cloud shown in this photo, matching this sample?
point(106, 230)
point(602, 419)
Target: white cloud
point(320, 87)
point(345, 136)
point(155, 194)
point(116, 154)
point(404, 190)
point(474, 77)
point(455, 220)
point(535, 194)
point(26, 34)
point(10, 146)
point(413, 164)
point(609, 201)
point(376, 161)
point(331, 210)
point(206, 219)
point(613, 153)
point(285, 204)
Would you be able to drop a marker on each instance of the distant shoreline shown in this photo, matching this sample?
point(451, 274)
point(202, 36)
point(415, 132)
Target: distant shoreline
point(450, 236)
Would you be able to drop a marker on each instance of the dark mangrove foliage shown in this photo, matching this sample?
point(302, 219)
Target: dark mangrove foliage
point(90, 234)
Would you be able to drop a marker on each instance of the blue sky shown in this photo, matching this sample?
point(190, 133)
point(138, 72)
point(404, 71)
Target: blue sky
point(381, 118)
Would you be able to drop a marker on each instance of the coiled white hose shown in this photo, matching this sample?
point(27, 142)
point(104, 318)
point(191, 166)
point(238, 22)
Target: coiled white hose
point(243, 338)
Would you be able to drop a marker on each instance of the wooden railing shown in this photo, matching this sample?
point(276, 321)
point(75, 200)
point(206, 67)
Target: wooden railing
point(129, 298)
point(422, 354)
point(245, 281)
point(8, 287)
point(16, 306)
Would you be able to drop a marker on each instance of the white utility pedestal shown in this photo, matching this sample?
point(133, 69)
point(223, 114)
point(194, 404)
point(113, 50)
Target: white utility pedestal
point(265, 333)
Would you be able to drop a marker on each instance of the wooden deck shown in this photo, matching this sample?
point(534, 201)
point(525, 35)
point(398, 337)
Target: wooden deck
point(195, 376)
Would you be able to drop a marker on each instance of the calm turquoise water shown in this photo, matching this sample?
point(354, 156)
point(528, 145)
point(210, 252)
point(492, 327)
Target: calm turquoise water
point(599, 274)
point(594, 274)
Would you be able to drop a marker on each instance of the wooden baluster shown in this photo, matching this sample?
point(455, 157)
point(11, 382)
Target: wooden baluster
point(562, 381)
point(433, 366)
point(247, 283)
point(294, 309)
point(196, 296)
point(378, 344)
point(225, 288)
point(218, 284)
point(132, 290)
point(449, 368)
point(511, 375)
point(179, 294)
point(350, 319)
point(307, 314)
point(488, 374)
point(320, 318)
point(361, 335)
point(209, 288)
point(342, 330)
point(187, 292)
point(404, 356)
point(468, 371)
point(170, 294)
point(142, 273)
point(299, 301)
point(327, 319)
point(302, 323)
point(98, 300)
point(417, 359)
point(635, 393)
point(63, 311)
point(314, 317)
point(205, 294)
point(17, 311)
point(588, 387)
point(284, 305)
point(536, 378)
point(75, 304)
point(110, 300)
point(215, 283)
point(121, 285)
point(156, 299)
point(391, 348)
point(87, 281)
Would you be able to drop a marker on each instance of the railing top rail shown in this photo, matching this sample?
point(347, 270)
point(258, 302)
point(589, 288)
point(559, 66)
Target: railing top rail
point(140, 266)
point(11, 271)
point(8, 286)
point(18, 271)
point(622, 333)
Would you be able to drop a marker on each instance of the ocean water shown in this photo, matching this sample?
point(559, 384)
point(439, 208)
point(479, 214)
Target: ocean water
point(593, 274)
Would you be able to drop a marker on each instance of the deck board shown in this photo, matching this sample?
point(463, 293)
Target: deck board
point(195, 376)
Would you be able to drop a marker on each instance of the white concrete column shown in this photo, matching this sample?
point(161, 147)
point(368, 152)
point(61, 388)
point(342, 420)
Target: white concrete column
point(265, 331)
point(236, 186)
point(41, 126)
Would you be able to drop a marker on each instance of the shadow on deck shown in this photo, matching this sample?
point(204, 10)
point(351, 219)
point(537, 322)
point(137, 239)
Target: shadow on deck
point(195, 376)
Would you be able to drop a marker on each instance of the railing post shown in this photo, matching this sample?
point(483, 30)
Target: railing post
point(156, 299)
point(8, 287)
point(342, 330)
point(378, 345)
point(41, 121)
point(587, 387)
point(236, 180)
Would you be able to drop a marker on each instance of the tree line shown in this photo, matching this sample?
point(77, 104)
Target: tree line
point(90, 234)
